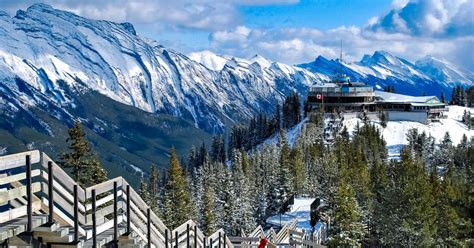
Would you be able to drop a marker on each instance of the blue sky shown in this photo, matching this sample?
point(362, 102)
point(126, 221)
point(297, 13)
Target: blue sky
point(319, 14)
point(293, 31)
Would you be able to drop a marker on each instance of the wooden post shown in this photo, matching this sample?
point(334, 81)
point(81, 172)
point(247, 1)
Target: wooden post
point(129, 230)
point(219, 239)
point(195, 237)
point(148, 216)
point(94, 220)
point(76, 215)
point(29, 196)
point(205, 242)
point(224, 239)
point(176, 238)
point(115, 214)
point(166, 238)
point(210, 243)
point(50, 192)
point(187, 236)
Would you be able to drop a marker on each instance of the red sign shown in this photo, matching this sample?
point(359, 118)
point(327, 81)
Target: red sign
point(319, 97)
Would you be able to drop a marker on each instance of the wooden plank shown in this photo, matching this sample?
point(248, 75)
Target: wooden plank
point(63, 192)
point(105, 186)
point(18, 212)
point(68, 207)
point(19, 159)
point(62, 216)
point(104, 200)
point(62, 177)
point(17, 177)
point(18, 192)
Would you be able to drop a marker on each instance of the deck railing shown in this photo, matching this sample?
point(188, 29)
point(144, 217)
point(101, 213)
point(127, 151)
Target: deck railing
point(109, 206)
point(32, 185)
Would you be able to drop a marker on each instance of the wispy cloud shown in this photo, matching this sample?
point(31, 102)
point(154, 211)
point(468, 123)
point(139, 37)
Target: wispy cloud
point(163, 14)
point(412, 29)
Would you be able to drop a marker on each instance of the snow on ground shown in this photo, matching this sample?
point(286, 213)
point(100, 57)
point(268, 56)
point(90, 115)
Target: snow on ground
point(395, 132)
point(300, 211)
point(292, 135)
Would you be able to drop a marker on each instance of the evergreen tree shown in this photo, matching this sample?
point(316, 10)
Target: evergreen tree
point(383, 116)
point(284, 178)
point(143, 190)
point(177, 200)
point(410, 204)
point(86, 168)
point(209, 221)
point(218, 149)
point(153, 190)
point(346, 230)
point(297, 170)
point(448, 221)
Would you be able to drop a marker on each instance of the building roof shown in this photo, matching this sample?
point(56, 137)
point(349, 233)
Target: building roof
point(392, 97)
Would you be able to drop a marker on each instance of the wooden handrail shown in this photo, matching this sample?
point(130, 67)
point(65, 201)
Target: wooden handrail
point(18, 160)
point(63, 210)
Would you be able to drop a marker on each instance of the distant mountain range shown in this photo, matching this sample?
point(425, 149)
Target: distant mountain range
point(57, 67)
point(427, 76)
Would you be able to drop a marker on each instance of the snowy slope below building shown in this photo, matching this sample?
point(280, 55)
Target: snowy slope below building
point(395, 132)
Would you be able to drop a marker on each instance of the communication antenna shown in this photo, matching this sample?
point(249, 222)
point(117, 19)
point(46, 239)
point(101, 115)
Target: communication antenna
point(340, 55)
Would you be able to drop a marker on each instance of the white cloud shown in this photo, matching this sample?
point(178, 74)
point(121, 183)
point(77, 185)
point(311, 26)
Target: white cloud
point(412, 29)
point(302, 45)
point(428, 18)
point(163, 14)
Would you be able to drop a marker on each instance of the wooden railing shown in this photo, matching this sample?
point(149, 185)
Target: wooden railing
point(111, 205)
point(288, 236)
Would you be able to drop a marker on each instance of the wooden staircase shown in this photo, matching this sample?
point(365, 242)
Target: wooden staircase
point(41, 206)
point(288, 236)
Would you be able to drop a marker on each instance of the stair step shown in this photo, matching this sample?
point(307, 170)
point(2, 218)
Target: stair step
point(80, 244)
point(105, 237)
point(62, 235)
point(48, 227)
point(15, 227)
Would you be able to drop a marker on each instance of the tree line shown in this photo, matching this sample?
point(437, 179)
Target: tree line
point(424, 198)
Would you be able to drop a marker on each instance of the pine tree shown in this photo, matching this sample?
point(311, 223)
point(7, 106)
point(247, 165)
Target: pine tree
point(383, 116)
point(410, 214)
point(297, 170)
point(143, 190)
point(448, 221)
point(346, 230)
point(177, 200)
point(284, 177)
point(218, 149)
point(379, 184)
point(209, 221)
point(153, 190)
point(86, 168)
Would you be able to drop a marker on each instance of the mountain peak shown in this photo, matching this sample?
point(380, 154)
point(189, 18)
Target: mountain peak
point(40, 6)
point(3, 13)
point(209, 59)
point(320, 58)
point(443, 70)
point(129, 27)
point(262, 61)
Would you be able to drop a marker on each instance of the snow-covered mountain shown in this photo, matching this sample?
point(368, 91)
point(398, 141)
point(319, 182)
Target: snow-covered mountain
point(44, 46)
point(58, 54)
point(442, 70)
point(429, 76)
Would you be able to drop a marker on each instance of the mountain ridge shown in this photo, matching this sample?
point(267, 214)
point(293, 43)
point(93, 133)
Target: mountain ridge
point(43, 45)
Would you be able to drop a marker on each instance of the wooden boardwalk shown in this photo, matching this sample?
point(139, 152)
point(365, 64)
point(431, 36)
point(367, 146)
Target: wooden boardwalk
point(41, 206)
